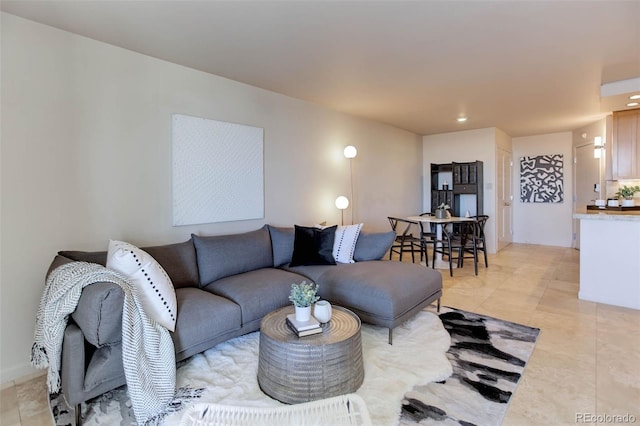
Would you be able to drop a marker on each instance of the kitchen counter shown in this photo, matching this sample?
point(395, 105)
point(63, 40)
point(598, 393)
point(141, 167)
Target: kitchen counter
point(615, 210)
point(605, 215)
point(610, 259)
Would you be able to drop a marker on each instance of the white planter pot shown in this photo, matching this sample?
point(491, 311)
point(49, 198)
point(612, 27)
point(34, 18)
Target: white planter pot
point(303, 314)
point(628, 203)
point(441, 214)
point(322, 311)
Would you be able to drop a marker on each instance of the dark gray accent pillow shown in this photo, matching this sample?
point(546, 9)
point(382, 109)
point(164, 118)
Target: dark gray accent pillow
point(373, 246)
point(282, 245)
point(99, 257)
point(178, 260)
point(224, 255)
point(313, 246)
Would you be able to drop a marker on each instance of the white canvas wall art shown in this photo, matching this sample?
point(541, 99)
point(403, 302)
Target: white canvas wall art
point(217, 171)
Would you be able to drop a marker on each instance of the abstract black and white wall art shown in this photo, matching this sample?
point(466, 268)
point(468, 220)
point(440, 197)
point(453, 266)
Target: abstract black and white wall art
point(541, 179)
point(217, 171)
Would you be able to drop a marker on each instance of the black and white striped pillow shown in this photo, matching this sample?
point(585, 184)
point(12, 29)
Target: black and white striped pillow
point(344, 244)
point(155, 289)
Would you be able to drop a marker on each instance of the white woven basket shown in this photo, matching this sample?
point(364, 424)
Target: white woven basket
point(347, 410)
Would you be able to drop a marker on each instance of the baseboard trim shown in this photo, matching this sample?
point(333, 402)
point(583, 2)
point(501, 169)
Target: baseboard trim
point(19, 374)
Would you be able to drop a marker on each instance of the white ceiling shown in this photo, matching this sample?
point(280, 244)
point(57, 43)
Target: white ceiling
point(527, 67)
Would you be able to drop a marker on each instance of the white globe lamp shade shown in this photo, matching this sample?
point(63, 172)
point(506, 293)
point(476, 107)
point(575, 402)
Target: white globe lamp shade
point(350, 151)
point(342, 202)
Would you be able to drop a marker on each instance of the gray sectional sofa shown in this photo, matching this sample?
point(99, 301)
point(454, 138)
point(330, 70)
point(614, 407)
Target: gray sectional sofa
point(224, 286)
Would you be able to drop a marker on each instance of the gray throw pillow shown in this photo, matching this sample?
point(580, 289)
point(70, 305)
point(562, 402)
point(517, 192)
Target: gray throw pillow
point(178, 260)
point(224, 255)
point(373, 246)
point(282, 245)
point(99, 257)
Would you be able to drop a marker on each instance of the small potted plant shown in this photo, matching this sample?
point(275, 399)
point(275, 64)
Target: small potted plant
point(441, 211)
point(626, 192)
point(302, 296)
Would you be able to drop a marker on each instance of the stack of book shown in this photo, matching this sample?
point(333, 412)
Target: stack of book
point(305, 328)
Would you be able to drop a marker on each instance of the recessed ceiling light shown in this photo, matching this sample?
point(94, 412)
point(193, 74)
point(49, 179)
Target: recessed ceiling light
point(633, 104)
point(462, 119)
point(634, 97)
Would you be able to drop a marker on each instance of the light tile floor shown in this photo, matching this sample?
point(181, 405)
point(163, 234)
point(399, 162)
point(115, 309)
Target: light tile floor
point(587, 358)
point(586, 361)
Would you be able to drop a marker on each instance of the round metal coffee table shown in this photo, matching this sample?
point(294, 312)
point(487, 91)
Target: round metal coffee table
point(295, 370)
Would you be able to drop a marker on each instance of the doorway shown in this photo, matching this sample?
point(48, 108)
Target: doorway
point(587, 185)
point(504, 198)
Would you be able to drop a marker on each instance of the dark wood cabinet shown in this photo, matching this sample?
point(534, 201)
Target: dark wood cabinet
point(441, 186)
point(466, 180)
point(439, 197)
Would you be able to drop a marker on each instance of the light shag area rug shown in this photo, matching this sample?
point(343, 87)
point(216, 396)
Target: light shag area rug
point(228, 374)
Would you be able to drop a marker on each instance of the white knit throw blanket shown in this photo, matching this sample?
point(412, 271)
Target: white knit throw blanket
point(147, 349)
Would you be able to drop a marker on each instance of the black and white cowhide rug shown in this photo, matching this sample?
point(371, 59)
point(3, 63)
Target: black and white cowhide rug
point(488, 357)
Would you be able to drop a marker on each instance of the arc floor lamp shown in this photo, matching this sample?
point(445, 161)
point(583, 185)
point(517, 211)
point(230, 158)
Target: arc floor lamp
point(350, 153)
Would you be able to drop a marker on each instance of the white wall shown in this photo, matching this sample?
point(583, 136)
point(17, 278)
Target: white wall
point(465, 146)
point(86, 156)
point(544, 223)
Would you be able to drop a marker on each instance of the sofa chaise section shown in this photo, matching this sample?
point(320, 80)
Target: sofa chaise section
point(380, 292)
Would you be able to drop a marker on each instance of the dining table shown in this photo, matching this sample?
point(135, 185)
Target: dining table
point(440, 222)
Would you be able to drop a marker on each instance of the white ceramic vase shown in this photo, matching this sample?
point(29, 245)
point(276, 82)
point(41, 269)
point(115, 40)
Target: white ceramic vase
point(303, 314)
point(628, 203)
point(322, 311)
